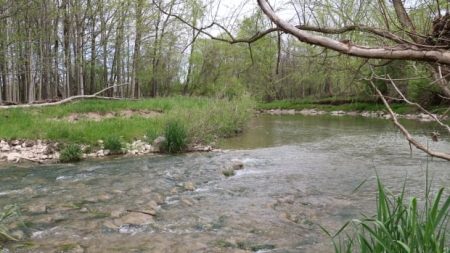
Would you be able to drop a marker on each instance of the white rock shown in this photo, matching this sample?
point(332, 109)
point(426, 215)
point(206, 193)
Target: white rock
point(5, 148)
point(13, 157)
point(100, 153)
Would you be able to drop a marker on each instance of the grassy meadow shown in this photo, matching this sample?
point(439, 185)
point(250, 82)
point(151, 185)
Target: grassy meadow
point(203, 118)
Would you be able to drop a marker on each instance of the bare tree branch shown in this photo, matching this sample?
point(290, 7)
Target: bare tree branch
point(69, 99)
point(405, 132)
point(418, 105)
point(398, 52)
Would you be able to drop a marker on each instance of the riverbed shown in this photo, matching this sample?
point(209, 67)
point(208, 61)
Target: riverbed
point(299, 172)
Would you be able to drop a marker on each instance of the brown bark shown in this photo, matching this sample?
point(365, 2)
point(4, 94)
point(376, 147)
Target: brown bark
point(399, 52)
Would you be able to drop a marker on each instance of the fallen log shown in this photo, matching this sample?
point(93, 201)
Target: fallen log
point(68, 100)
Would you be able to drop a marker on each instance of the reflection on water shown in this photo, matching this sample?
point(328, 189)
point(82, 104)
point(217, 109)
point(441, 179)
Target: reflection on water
point(299, 172)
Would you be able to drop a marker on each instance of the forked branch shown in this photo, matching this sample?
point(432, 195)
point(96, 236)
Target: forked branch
point(405, 132)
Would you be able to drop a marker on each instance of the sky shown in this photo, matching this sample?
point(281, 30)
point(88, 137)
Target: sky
point(230, 12)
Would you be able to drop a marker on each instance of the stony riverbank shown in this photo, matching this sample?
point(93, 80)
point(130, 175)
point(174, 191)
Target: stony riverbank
point(368, 114)
point(43, 151)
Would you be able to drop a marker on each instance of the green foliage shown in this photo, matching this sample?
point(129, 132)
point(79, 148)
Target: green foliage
point(49, 123)
point(422, 92)
point(152, 134)
point(176, 136)
point(8, 213)
point(399, 226)
point(113, 144)
point(223, 118)
point(71, 153)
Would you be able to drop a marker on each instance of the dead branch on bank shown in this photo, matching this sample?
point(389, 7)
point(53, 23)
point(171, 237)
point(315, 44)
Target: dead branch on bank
point(69, 99)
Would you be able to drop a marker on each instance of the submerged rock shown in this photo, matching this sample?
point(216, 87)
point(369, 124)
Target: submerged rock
point(18, 234)
point(237, 164)
point(187, 201)
point(189, 186)
point(117, 213)
point(134, 218)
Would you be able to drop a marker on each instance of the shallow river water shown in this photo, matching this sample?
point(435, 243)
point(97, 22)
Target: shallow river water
point(299, 172)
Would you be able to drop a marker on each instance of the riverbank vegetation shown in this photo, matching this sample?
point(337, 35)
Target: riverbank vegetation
point(336, 104)
point(88, 121)
point(400, 225)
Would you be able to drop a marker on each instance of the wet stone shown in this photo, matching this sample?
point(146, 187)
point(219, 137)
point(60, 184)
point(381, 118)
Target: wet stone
point(105, 197)
point(134, 219)
point(158, 198)
point(37, 209)
point(237, 164)
point(189, 186)
point(110, 225)
point(186, 201)
point(70, 248)
point(117, 213)
point(18, 234)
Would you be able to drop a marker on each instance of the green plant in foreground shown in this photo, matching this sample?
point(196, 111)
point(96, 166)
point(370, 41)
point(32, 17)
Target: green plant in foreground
point(399, 227)
point(5, 214)
point(114, 145)
point(176, 137)
point(71, 153)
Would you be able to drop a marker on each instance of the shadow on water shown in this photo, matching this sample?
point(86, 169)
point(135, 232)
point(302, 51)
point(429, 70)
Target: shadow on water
point(298, 172)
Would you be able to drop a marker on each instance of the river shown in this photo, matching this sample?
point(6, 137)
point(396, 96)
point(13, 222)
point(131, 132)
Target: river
point(299, 172)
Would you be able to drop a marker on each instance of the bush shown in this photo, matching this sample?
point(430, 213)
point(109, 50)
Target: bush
point(399, 227)
point(176, 137)
point(71, 153)
point(114, 145)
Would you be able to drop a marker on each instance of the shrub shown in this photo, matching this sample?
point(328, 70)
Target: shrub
point(176, 137)
point(400, 227)
point(114, 145)
point(71, 153)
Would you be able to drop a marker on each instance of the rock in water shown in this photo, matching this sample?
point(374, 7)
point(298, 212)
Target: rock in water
point(189, 186)
point(37, 209)
point(237, 164)
point(134, 219)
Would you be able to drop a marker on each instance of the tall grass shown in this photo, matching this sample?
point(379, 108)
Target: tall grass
point(71, 153)
point(399, 226)
point(114, 145)
point(176, 137)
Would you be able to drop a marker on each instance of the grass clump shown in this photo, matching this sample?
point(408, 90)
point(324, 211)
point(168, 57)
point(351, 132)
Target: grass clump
point(71, 153)
point(114, 145)
point(399, 226)
point(6, 214)
point(176, 136)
